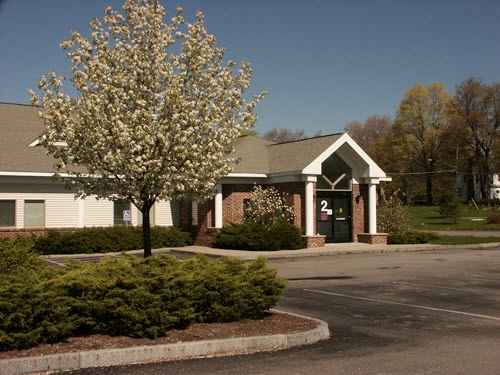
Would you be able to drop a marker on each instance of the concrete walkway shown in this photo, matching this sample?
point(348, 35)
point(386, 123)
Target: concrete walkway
point(329, 249)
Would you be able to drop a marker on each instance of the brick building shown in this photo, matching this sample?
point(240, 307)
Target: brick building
point(331, 183)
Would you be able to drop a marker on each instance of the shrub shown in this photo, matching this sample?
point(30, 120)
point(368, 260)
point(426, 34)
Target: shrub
point(393, 216)
point(412, 237)
point(493, 219)
point(108, 239)
point(21, 270)
point(18, 260)
point(450, 205)
point(267, 206)
point(134, 297)
point(259, 237)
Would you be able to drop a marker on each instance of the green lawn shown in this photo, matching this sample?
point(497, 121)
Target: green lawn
point(464, 240)
point(427, 218)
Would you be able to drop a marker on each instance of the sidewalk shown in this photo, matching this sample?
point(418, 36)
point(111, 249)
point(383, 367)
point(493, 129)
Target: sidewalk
point(328, 249)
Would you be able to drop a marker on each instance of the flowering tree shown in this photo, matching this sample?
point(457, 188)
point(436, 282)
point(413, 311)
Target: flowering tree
point(267, 206)
point(148, 124)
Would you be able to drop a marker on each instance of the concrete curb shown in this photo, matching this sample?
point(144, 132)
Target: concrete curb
point(167, 352)
point(348, 249)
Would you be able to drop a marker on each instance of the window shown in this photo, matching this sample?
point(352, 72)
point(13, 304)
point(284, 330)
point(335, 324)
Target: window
point(34, 213)
point(194, 213)
point(118, 208)
point(336, 175)
point(7, 213)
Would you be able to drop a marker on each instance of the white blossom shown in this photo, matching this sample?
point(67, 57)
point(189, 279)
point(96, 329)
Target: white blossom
point(150, 121)
point(267, 206)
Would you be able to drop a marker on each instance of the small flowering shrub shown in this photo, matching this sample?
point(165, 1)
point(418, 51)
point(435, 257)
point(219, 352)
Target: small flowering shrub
point(265, 225)
point(267, 206)
point(393, 216)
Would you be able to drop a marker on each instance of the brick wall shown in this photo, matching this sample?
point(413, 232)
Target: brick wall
point(295, 198)
point(233, 197)
point(373, 239)
point(359, 210)
point(315, 241)
point(13, 232)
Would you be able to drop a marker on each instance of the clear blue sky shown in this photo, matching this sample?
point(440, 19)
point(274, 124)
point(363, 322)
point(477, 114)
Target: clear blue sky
point(324, 63)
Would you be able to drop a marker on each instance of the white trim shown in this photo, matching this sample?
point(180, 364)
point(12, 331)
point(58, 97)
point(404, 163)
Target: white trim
point(247, 175)
point(309, 207)
point(372, 208)
point(81, 212)
point(372, 170)
point(36, 142)
point(218, 206)
point(26, 174)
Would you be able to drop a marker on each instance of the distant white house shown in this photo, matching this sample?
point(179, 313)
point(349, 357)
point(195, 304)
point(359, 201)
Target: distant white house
point(495, 187)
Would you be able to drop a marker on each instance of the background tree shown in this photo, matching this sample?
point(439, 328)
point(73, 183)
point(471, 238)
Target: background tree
point(476, 122)
point(374, 129)
point(156, 113)
point(287, 135)
point(374, 136)
point(421, 125)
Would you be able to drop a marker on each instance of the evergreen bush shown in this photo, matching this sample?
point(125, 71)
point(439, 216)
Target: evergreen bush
point(108, 239)
point(259, 237)
point(450, 205)
point(412, 237)
point(130, 296)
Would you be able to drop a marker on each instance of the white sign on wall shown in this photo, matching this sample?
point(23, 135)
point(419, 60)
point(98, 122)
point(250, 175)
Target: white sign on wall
point(126, 215)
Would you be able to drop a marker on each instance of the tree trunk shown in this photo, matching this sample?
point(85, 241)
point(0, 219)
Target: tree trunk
point(429, 189)
point(146, 230)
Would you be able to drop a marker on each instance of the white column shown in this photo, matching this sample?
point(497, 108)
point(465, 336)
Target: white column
point(372, 208)
point(81, 213)
point(218, 206)
point(309, 206)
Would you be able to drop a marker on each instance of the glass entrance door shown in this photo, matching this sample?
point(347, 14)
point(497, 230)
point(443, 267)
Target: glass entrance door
point(333, 215)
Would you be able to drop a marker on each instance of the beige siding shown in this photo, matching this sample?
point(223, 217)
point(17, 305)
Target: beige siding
point(62, 210)
point(98, 213)
point(60, 206)
point(167, 213)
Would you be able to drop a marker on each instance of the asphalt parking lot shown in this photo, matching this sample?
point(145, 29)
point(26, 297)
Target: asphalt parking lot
point(429, 312)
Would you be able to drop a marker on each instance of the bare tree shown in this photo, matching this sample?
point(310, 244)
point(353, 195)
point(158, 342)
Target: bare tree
point(477, 121)
point(287, 135)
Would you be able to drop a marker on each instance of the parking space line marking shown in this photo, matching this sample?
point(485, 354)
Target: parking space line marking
point(403, 304)
point(445, 287)
point(486, 277)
